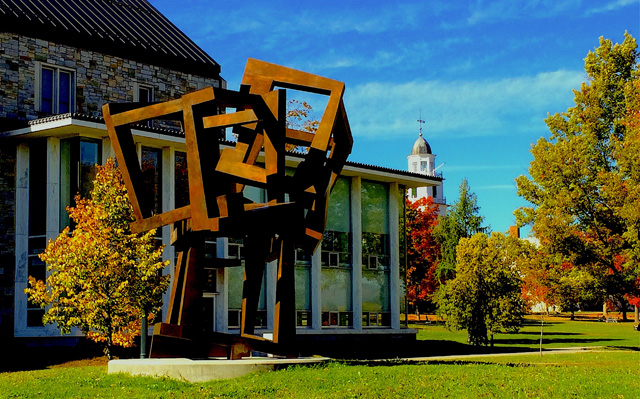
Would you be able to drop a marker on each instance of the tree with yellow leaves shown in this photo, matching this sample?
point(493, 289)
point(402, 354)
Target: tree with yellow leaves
point(102, 278)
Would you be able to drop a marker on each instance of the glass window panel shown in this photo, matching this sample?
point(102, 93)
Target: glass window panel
point(181, 186)
point(261, 318)
point(233, 319)
point(65, 182)
point(303, 287)
point(46, 93)
point(254, 194)
point(37, 188)
point(375, 205)
point(34, 317)
point(208, 313)
point(38, 271)
point(303, 319)
point(336, 289)
point(302, 258)
point(152, 179)
point(64, 92)
point(235, 276)
point(210, 280)
point(373, 319)
point(339, 212)
point(144, 95)
point(37, 245)
point(346, 319)
point(89, 157)
point(375, 290)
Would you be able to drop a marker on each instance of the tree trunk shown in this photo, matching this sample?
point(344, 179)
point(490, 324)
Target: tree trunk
point(624, 311)
point(144, 331)
point(492, 340)
point(636, 314)
point(107, 348)
point(604, 311)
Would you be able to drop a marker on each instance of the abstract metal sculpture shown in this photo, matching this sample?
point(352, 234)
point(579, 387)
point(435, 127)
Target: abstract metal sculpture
point(294, 214)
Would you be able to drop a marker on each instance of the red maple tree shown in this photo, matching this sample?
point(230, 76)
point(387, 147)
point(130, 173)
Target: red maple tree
point(422, 250)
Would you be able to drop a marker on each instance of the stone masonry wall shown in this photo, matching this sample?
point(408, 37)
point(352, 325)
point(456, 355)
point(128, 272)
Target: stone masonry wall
point(99, 77)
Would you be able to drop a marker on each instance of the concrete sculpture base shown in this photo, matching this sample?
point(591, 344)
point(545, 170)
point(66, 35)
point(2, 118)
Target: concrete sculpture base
point(204, 370)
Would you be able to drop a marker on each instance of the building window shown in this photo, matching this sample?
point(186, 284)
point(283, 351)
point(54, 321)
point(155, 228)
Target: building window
point(435, 192)
point(337, 319)
point(144, 94)
point(376, 319)
point(37, 240)
point(152, 179)
point(181, 186)
point(55, 90)
point(79, 157)
point(336, 249)
point(375, 251)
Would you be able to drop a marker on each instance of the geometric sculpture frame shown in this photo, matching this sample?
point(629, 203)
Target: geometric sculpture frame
point(293, 215)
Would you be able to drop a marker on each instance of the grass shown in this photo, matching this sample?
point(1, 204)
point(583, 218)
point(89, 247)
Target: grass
point(610, 371)
point(558, 332)
point(612, 374)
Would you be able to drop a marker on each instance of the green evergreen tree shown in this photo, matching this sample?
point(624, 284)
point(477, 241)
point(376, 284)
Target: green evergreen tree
point(462, 220)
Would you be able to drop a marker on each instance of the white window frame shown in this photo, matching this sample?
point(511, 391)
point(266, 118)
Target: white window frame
point(56, 79)
point(334, 259)
point(136, 92)
point(372, 262)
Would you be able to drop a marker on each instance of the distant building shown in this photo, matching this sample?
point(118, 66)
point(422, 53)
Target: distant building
point(423, 161)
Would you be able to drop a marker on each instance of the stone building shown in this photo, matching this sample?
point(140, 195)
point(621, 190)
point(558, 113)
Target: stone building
point(60, 62)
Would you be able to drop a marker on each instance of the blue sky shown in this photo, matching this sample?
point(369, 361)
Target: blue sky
point(484, 74)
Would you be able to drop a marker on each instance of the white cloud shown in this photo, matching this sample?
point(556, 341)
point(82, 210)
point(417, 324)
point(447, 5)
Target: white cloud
point(460, 108)
point(610, 6)
point(491, 11)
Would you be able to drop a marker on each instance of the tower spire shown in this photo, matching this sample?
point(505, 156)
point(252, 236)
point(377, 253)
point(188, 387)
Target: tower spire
point(421, 122)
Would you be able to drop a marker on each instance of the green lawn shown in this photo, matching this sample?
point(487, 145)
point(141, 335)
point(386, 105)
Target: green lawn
point(613, 374)
point(558, 332)
point(610, 371)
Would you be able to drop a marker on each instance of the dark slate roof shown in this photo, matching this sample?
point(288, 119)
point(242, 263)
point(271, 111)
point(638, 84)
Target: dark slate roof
point(131, 29)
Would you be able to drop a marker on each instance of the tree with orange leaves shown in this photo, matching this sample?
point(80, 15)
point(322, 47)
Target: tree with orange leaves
point(423, 250)
point(584, 182)
point(102, 279)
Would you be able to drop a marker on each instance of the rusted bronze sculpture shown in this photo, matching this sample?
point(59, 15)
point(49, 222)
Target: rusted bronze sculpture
point(218, 208)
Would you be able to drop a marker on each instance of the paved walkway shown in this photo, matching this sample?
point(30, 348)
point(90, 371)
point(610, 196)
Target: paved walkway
point(544, 352)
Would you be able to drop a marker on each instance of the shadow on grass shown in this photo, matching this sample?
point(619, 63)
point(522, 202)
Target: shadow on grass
point(37, 354)
point(394, 363)
point(549, 340)
point(627, 348)
point(420, 348)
